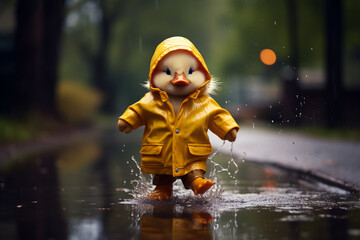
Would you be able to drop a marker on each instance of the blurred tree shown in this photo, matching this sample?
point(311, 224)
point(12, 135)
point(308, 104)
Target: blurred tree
point(334, 62)
point(37, 45)
point(104, 14)
point(291, 75)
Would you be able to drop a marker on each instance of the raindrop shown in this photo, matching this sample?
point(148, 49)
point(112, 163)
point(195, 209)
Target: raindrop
point(19, 206)
point(238, 109)
point(253, 125)
point(244, 153)
point(270, 106)
point(275, 22)
point(293, 142)
point(297, 79)
point(311, 49)
point(272, 121)
point(283, 46)
point(306, 75)
point(243, 160)
point(297, 96)
point(296, 158)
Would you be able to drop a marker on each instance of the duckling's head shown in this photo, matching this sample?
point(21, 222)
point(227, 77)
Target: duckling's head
point(179, 73)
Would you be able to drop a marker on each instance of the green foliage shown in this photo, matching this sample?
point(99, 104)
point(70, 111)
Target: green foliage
point(349, 134)
point(12, 130)
point(78, 103)
point(229, 33)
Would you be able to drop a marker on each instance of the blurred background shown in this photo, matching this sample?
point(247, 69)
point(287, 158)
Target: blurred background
point(66, 64)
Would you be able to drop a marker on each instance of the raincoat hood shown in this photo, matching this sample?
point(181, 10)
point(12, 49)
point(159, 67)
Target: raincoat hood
point(170, 45)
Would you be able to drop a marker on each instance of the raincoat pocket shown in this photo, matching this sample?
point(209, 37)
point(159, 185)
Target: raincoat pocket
point(198, 151)
point(151, 153)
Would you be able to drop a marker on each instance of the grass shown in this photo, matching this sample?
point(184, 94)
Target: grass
point(347, 134)
point(11, 130)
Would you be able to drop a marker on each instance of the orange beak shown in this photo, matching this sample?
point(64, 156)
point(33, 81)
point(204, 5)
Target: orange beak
point(180, 80)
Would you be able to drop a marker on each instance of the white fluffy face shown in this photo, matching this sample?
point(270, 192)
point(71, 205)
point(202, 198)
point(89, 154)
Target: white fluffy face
point(180, 62)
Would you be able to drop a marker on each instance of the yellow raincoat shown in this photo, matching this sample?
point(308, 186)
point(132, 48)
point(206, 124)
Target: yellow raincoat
point(177, 144)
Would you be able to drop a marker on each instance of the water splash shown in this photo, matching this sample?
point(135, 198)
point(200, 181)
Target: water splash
point(217, 168)
point(141, 184)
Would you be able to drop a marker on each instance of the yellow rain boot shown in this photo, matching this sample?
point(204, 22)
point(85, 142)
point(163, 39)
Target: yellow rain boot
point(161, 192)
point(201, 185)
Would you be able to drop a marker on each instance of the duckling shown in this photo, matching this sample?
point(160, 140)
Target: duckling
point(175, 142)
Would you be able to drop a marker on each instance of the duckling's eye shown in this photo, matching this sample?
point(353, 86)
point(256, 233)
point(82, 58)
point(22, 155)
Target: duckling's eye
point(168, 72)
point(191, 71)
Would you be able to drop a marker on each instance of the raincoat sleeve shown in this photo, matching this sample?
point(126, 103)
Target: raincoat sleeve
point(221, 121)
point(133, 115)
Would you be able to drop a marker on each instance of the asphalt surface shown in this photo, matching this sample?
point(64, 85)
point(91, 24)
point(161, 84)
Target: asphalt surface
point(334, 162)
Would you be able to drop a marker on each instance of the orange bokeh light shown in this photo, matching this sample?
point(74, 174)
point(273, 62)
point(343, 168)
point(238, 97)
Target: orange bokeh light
point(268, 57)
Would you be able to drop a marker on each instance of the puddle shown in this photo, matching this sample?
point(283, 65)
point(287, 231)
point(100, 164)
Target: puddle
point(86, 191)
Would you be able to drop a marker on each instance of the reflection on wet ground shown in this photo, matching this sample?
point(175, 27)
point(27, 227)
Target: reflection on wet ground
point(86, 191)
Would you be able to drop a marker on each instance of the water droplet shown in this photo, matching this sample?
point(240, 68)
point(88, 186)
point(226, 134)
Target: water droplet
point(306, 75)
point(296, 159)
point(311, 49)
point(270, 106)
point(253, 125)
point(238, 109)
point(243, 160)
point(275, 22)
point(272, 121)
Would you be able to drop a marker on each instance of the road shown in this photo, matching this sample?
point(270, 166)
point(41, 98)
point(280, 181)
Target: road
point(335, 161)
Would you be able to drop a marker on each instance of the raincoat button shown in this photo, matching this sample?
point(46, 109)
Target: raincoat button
point(176, 170)
point(177, 131)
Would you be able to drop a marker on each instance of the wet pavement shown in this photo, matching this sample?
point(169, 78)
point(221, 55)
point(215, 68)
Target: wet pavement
point(92, 189)
point(333, 161)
